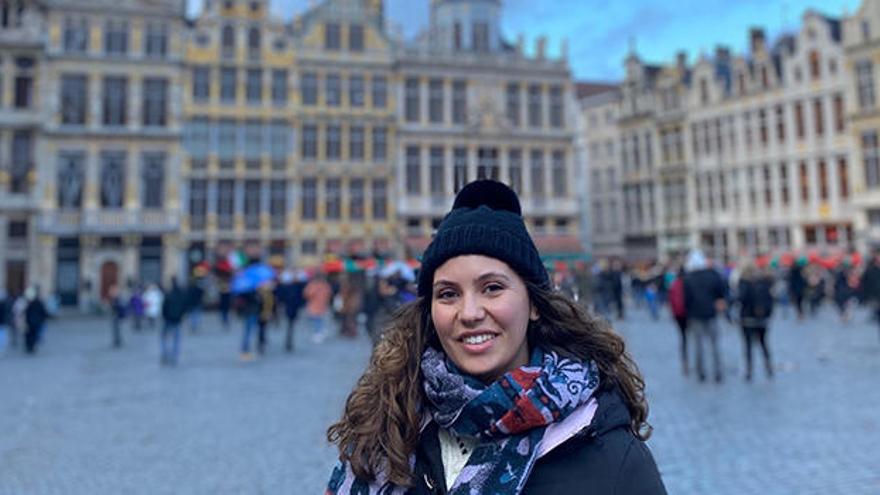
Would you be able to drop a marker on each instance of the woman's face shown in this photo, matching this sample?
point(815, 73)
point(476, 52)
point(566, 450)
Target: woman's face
point(481, 309)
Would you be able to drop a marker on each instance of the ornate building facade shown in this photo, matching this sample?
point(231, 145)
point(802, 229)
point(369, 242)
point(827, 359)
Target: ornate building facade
point(740, 154)
point(473, 105)
point(135, 142)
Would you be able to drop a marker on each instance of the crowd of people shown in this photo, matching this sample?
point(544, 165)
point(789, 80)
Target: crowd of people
point(698, 291)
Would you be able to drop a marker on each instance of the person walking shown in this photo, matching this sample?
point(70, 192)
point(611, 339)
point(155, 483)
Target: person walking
point(117, 304)
point(136, 307)
point(195, 294)
point(225, 302)
point(5, 320)
point(678, 309)
point(755, 296)
point(352, 302)
point(705, 296)
point(290, 295)
point(797, 287)
point(266, 303)
point(490, 382)
point(153, 301)
point(174, 307)
point(871, 285)
point(35, 315)
point(317, 294)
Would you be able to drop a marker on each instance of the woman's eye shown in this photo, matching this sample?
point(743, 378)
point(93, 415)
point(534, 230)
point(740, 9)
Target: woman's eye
point(490, 288)
point(445, 294)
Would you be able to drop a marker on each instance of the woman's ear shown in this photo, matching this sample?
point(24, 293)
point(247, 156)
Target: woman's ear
point(533, 313)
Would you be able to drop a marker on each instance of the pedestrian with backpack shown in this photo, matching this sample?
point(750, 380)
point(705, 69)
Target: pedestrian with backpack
point(679, 312)
point(756, 307)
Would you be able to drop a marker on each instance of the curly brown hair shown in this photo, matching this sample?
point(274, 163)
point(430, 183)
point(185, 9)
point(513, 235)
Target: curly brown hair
point(379, 429)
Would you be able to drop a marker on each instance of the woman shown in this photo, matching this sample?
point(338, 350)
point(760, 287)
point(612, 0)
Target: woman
point(489, 382)
point(756, 307)
point(679, 313)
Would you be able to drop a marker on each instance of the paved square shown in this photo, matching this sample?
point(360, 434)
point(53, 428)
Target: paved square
point(83, 418)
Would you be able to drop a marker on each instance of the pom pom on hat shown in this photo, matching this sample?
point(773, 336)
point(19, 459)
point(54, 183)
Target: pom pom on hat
point(496, 195)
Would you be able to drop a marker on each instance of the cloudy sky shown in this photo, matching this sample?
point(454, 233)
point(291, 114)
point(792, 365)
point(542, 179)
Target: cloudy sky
point(600, 32)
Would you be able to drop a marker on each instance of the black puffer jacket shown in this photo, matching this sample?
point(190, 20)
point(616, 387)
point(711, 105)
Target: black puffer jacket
point(603, 459)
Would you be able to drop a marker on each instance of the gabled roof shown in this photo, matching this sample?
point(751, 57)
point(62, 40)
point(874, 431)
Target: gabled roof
point(586, 89)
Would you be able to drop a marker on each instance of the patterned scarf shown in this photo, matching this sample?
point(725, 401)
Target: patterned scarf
point(508, 418)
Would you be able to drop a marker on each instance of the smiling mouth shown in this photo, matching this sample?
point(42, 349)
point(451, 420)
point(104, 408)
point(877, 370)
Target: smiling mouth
point(478, 339)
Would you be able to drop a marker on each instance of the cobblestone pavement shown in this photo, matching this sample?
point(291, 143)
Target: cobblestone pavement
point(83, 418)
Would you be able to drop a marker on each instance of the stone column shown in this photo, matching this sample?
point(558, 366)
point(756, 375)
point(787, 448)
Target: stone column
point(130, 269)
point(42, 267)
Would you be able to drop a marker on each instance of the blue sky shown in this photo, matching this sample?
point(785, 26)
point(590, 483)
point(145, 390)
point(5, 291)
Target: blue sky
point(601, 31)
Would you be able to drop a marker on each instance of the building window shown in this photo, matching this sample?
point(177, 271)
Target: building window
point(116, 37)
point(254, 43)
point(155, 109)
point(380, 143)
point(252, 199)
point(73, 99)
point(254, 88)
point(783, 184)
point(279, 141)
point(332, 37)
point(768, 187)
point(413, 170)
point(799, 119)
point(560, 178)
point(487, 164)
point(380, 91)
point(198, 203)
point(356, 37)
point(76, 35)
point(823, 180)
point(112, 179)
point(780, 123)
point(310, 199)
point(309, 141)
point(537, 173)
point(459, 168)
point(356, 91)
point(435, 100)
point(435, 166)
point(805, 183)
point(818, 116)
point(334, 142)
point(115, 101)
point(871, 157)
point(227, 139)
point(839, 114)
point(278, 203)
point(333, 90)
point(762, 126)
point(865, 84)
point(71, 177)
point(227, 41)
point(356, 143)
point(459, 101)
point(557, 118)
point(309, 88)
point(843, 177)
point(24, 89)
point(279, 86)
point(480, 35)
point(536, 110)
point(334, 199)
point(156, 40)
point(412, 99)
point(225, 203)
point(356, 199)
point(815, 65)
point(380, 199)
point(201, 83)
point(253, 140)
point(153, 177)
point(227, 85)
point(198, 137)
point(514, 169)
point(513, 104)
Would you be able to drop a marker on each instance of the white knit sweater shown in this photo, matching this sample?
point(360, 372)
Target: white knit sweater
point(454, 452)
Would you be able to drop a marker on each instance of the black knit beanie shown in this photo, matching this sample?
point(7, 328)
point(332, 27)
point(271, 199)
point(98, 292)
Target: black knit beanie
point(485, 219)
